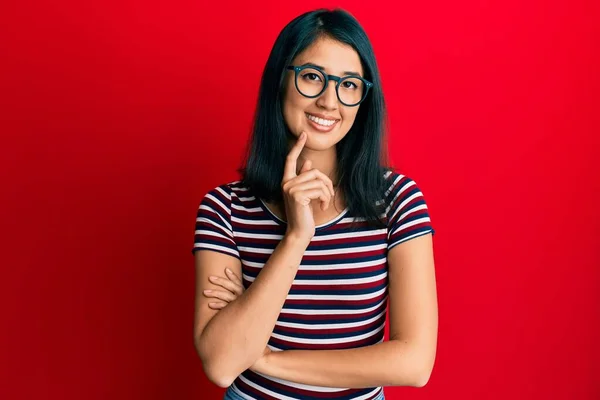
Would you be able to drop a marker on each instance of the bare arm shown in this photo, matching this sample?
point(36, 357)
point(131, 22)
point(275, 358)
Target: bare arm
point(405, 360)
point(231, 340)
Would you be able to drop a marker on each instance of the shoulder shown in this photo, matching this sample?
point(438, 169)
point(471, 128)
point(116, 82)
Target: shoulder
point(396, 181)
point(229, 190)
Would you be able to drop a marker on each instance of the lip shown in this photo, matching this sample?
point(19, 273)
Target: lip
point(323, 116)
point(321, 128)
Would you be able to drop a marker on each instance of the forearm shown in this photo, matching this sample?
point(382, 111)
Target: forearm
point(237, 335)
point(392, 363)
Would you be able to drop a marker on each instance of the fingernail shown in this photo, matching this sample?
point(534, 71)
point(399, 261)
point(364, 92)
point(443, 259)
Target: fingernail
point(302, 135)
point(228, 270)
point(212, 278)
point(208, 291)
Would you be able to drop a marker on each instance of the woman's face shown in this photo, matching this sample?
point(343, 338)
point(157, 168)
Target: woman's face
point(335, 58)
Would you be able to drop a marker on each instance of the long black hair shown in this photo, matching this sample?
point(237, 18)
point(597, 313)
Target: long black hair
point(361, 155)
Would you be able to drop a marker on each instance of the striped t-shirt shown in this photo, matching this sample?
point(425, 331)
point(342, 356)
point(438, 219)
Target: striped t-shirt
point(339, 296)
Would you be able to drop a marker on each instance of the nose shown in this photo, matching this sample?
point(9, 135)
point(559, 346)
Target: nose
point(328, 99)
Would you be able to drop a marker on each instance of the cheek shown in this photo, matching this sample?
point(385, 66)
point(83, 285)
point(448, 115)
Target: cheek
point(349, 116)
point(293, 108)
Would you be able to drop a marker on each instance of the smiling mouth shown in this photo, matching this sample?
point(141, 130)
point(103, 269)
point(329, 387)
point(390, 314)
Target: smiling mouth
point(326, 123)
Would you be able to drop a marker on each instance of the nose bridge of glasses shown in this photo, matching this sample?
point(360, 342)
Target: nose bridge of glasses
point(331, 78)
point(331, 94)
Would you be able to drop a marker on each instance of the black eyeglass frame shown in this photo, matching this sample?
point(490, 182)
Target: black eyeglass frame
point(338, 79)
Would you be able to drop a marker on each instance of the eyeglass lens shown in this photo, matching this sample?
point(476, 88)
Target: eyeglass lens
point(310, 82)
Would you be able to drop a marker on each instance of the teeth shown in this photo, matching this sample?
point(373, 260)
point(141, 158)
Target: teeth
point(320, 121)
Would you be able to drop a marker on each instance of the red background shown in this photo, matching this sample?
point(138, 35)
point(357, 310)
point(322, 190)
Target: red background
point(117, 118)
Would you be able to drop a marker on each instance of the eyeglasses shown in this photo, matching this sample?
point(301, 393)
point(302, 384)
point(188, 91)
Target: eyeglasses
point(311, 82)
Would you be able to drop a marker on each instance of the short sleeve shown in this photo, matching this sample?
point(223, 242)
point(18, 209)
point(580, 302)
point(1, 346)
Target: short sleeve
point(408, 216)
point(213, 223)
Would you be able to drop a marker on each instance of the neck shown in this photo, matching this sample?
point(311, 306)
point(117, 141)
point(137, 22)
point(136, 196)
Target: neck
point(323, 160)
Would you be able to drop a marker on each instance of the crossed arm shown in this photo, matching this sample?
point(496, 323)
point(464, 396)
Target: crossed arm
point(407, 359)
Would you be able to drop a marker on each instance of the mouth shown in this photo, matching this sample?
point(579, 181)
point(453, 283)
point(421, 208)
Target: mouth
point(321, 124)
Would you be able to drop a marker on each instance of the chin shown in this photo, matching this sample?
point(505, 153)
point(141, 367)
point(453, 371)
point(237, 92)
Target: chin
point(322, 141)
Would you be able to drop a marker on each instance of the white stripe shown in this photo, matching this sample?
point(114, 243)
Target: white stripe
point(330, 326)
point(356, 249)
point(335, 296)
point(331, 267)
point(330, 282)
point(302, 386)
point(213, 223)
point(258, 236)
point(410, 198)
point(256, 250)
point(254, 222)
point(249, 198)
point(412, 210)
point(409, 224)
point(353, 249)
point(409, 237)
point(205, 207)
point(366, 396)
point(214, 234)
point(393, 185)
point(346, 339)
point(243, 208)
point(239, 392)
point(225, 210)
point(399, 192)
point(300, 311)
point(265, 390)
point(405, 202)
point(323, 238)
point(215, 247)
point(224, 193)
point(335, 236)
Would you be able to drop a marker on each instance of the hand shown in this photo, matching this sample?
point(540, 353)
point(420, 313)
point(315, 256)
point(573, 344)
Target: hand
point(300, 190)
point(233, 289)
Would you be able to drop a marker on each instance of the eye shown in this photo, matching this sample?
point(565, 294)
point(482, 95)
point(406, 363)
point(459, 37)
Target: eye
point(311, 76)
point(349, 85)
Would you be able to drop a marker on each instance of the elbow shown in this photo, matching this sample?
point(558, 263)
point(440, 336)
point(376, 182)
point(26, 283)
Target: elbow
point(214, 368)
point(217, 377)
point(416, 365)
point(422, 379)
point(417, 379)
point(423, 374)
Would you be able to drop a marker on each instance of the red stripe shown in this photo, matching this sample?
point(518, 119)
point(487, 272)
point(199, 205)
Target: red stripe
point(333, 303)
point(327, 317)
point(279, 343)
point(284, 330)
point(332, 287)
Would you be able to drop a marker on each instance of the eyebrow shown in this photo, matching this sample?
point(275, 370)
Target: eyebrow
point(325, 69)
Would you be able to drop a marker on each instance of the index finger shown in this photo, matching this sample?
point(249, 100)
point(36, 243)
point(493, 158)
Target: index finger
point(289, 171)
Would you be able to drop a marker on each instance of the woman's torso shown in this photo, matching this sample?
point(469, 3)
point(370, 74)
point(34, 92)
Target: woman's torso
point(337, 300)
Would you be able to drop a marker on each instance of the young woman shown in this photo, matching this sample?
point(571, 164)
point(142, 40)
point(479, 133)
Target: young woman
point(297, 261)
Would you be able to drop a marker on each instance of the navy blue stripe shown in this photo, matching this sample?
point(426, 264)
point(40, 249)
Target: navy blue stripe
point(329, 291)
point(249, 375)
point(349, 245)
point(334, 274)
point(331, 319)
point(369, 341)
point(262, 258)
point(346, 335)
point(214, 218)
point(347, 305)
